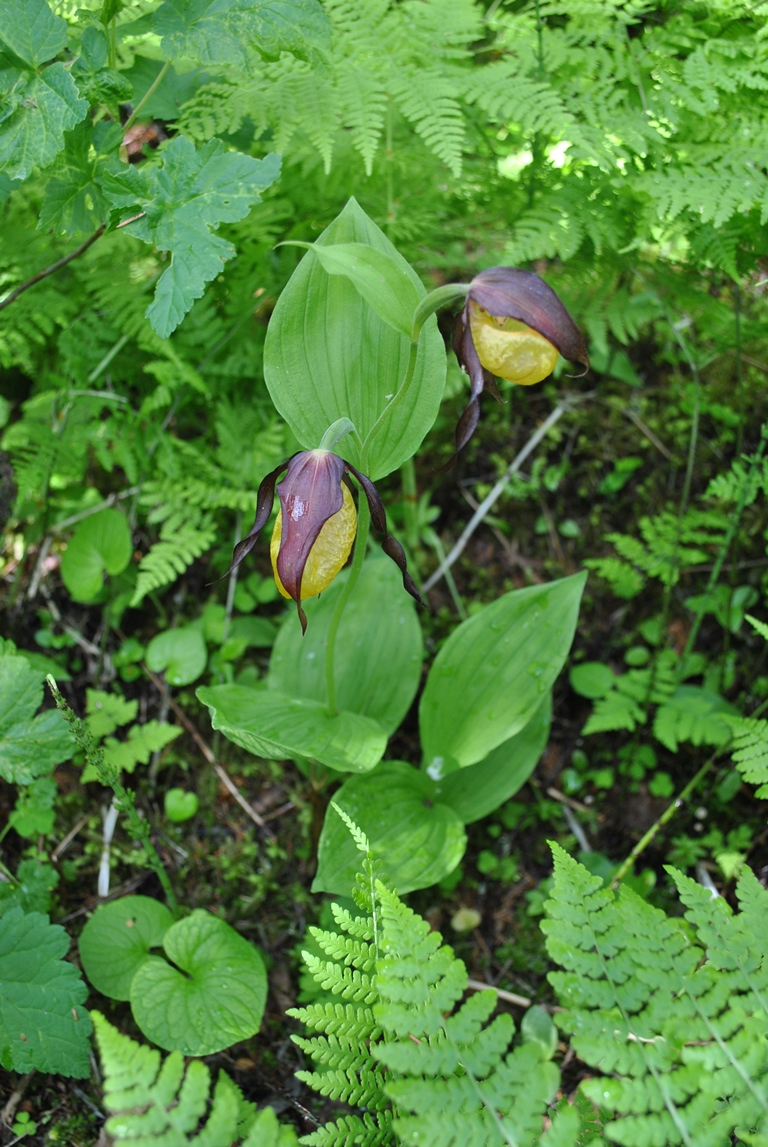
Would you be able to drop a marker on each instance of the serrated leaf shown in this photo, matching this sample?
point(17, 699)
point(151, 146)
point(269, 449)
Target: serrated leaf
point(184, 199)
point(31, 30)
point(40, 109)
point(221, 31)
point(73, 200)
point(106, 712)
point(143, 740)
point(42, 1023)
point(30, 746)
point(211, 995)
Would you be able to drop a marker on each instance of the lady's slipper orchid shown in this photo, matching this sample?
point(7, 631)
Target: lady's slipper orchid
point(316, 526)
point(513, 326)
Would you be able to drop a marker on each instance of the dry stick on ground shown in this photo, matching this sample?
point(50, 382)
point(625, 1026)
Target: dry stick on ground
point(487, 502)
point(210, 758)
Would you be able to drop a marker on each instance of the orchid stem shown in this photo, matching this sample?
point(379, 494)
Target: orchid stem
point(361, 545)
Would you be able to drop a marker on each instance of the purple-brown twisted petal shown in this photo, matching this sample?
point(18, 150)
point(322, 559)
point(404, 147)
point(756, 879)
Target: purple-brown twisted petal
point(390, 545)
point(264, 500)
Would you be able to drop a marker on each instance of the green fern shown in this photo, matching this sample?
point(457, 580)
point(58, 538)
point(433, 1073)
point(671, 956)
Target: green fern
point(168, 1103)
point(750, 751)
point(185, 534)
point(675, 1025)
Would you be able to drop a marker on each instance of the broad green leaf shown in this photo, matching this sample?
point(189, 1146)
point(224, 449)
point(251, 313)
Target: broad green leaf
point(100, 544)
point(33, 814)
point(477, 790)
point(493, 672)
point(382, 281)
point(31, 30)
point(328, 355)
point(222, 31)
point(118, 939)
point(39, 108)
point(42, 1022)
point(419, 839)
point(30, 745)
point(183, 200)
point(592, 679)
point(278, 727)
point(209, 996)
point(378, 648)
point(73, 200)
point(181, 653)
point(31, 891)
point(180, 805)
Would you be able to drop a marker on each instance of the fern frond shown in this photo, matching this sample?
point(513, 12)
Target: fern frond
point(162, 1102)
point(185, 535)
point(750, 751)
point(349, 1130)
point(428, 101)
point(345, 950)
point(694, 715)
point(677, 1033)
point(345, 982)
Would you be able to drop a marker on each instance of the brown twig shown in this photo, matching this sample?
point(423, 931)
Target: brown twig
point(207, 752)
point(53, 268)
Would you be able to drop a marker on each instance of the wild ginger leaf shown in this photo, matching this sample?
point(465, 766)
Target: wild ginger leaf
point(220, 31)
point(40, 103)
point(42, 1024)
point(183, 200)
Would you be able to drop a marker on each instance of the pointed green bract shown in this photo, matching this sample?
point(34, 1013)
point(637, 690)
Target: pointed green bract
point(328, 355)
point(494, 671)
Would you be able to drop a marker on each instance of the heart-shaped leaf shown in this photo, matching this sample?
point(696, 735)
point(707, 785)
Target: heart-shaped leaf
point(100, 544)
point(117, 940)
point(180, 652)
point(210, 996)
point(180, 805)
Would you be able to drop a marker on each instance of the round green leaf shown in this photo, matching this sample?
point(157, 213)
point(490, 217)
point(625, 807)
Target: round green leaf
point(117, 940)
point(328, 355)
point(100, 544)
point(378, 648)
point(210, 996)
point(181, 652)
point(419, 839)
point(277, 727)
point(476, 791)
point(180, 805)
point(591, 679)
point(493, 672)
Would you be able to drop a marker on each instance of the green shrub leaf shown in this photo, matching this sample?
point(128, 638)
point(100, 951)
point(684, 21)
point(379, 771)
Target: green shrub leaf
point(117, 940)
point(328, 355)
point(379, 648)
point(100, 544)
point(42, 1024)
point(419, 839)
point(491, 675)
point(30, 745)
point(211, 995)
point(222, 31)
point(181, 653)
point(277, 727)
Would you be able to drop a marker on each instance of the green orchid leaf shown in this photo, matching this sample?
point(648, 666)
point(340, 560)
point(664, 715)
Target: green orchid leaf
point(383, 282)
point(100, 545)
point(181, 653)
point(277, 727)
point(378, 648)
point(493, 672)
point(210, 995)
point(477, 790)
point(118, 939)
point(419, 839)
point(329, 355)
point(42, 1022)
